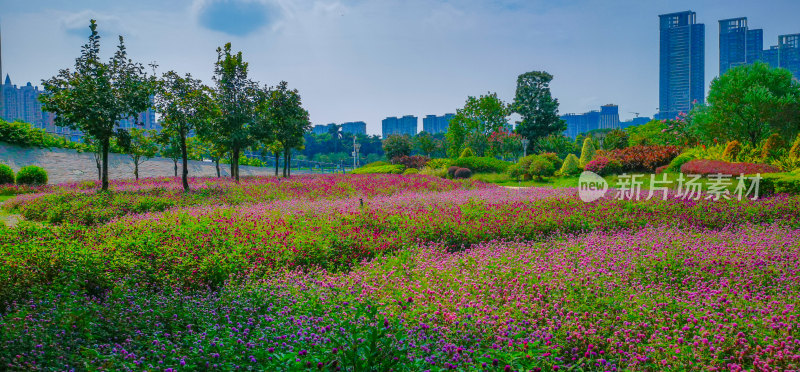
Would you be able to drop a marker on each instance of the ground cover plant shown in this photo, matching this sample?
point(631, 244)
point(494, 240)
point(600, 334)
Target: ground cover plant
point(430, 275)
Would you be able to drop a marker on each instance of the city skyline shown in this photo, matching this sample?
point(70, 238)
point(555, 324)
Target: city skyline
point(440, 53)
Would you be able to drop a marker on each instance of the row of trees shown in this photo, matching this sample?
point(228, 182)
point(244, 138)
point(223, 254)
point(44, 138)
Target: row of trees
point(234, 114)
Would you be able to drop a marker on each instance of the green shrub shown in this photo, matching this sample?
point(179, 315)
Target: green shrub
point(411, 171)
point(553, 158)
point(587, 152)
point(570, 166)
point(482, 164)
point(6, 174)
point(467, 152)
point(380, 169)
point(732, 150)
point(438, 163)
point(776, 183)
point(541, 167)
point(376, 164)
point(515, 171)
point(794, 153)
point(437, 172)
point(32, 175)
point(675, 165)
point(772, 145)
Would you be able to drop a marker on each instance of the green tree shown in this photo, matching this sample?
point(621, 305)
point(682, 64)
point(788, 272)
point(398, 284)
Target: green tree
point(539, 110)
point(396, 145)
point(185, 104)
point(615, 139)
point(96, 96)
point(474, 122)
point(748, 103)
point(201, 149)
point(169, 146)
point(140, 147)
point(282, 114)
point(558, 144)
point(235, 95)
point(425, 143)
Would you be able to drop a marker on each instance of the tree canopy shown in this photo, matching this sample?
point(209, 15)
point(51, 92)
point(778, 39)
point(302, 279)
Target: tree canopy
point(539, 110)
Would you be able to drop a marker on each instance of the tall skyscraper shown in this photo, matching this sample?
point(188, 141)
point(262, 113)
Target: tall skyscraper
point(682, 63)
point(606, 118)
point(789, 53)
point(609, 117)
point(436, 124)
point(407, 125)
point(354, 127)
point(738, 45)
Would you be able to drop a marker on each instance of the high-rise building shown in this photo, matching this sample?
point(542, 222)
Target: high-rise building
point(738, 45)
point(606, 118)
point(682, 63)
point(436, 124)
point(22, 103)
point(609, 117)
point(354, 127)
point(407, 125)
point(639, 120)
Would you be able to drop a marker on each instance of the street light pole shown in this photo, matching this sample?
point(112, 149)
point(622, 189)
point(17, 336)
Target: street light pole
point(356, 147)
point(525, 143)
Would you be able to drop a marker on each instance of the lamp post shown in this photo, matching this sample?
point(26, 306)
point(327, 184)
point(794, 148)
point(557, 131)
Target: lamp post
point(356, 147)
point(525, 143)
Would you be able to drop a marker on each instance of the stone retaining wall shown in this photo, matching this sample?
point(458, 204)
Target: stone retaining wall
point(64, 165)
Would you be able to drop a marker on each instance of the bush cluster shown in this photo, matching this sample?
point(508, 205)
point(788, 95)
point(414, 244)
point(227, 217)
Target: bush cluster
point(6, 174)
point(438, 163)
point(380, 169)
point(570, 167)
point(644, 158)
point(410, 171)
point(32, 175)
point(415, 161)
point(482, 164)
point(462, 173)
point(704, 166)
point(604, 166)
point(732, 150)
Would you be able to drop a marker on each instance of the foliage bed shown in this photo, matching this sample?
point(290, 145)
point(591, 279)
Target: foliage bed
point(702, 166)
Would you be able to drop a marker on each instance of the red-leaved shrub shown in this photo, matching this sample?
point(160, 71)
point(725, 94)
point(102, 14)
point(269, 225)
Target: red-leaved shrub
point(644, 158)
point(603, 166)
point(703, 166)
point(415, 161)
point(661, 169)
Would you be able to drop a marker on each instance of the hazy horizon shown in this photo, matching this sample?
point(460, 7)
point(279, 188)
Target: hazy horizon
point(366, 60)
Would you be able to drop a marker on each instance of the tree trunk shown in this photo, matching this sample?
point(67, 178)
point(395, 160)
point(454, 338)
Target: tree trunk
point(104, 179)
point(175, 166)
point(216, 162)
point(99, 164)
point(184, 157)
point(285, 156)
point(276, 153)
point(289, 161)
point(136, 168)
point(235, 164)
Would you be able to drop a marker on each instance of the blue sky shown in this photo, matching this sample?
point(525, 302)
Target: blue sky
point(368, 59)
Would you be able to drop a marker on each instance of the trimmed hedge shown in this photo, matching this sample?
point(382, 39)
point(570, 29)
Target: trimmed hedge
point(482, 164)
point(776, 183)
point(6, 174)
point(703, 166)
point(32, 175)
point(411, 171)
point(644, 158)
point(380, 169)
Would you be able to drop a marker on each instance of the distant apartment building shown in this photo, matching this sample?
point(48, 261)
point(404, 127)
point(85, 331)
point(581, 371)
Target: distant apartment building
point(639, 120)
point(354, 127)
point(606, 118)
point(436, 124)
point(739, 45)
point(406, 125)
point(682, 63)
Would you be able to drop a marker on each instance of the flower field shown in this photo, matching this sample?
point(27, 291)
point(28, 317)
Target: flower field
point(380, 272)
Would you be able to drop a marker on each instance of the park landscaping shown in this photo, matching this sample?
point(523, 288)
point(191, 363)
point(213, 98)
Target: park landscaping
point(402, 272)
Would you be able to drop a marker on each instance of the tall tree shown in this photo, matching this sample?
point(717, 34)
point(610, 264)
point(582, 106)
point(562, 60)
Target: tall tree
point(289, 120)
point(539, 110)
point(235, 95)
point(169, 143)
point(396, 145)
point(202, 149)
point(748, 103)
point(96, 96)
point(475, 122)
point(185, 104)
point(140, 146)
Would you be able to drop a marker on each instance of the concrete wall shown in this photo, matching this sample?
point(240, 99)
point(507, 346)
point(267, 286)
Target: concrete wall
point(64, 165)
